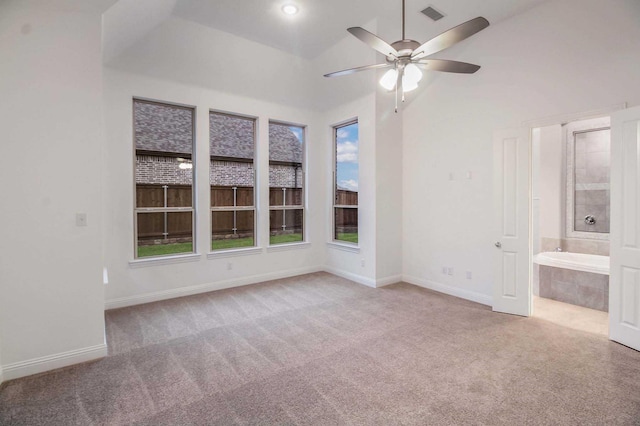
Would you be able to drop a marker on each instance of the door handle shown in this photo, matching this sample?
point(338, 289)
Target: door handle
point(498, 244)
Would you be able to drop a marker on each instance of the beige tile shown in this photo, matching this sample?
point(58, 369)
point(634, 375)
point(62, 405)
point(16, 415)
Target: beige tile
point(571, 316)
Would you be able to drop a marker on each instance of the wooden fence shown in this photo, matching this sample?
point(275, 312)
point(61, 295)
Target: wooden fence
point(293, 221)
point(346, 219)
point(151, 226)
point(346, 198)
point(291, 196)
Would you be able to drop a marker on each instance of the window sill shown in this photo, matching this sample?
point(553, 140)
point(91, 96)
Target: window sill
point(351, 248)
point(288, 246)
point(164, 260)
point(234, 252)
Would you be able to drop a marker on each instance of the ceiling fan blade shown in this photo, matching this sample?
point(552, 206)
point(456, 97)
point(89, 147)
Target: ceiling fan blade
point(373, 41)
point(354, 70)
point(450, 37)
point(447, 66)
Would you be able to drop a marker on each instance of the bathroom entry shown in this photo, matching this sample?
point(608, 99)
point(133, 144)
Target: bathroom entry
point(570, 223)
point(513, 225)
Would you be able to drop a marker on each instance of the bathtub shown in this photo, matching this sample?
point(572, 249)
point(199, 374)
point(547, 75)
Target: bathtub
point(577, 261)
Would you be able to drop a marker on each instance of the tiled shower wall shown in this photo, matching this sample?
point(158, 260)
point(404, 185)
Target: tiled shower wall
point(592, 170)
point(576, 245)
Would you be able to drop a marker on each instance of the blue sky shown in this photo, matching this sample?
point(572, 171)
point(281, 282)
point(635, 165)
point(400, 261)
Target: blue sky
point(297, 131)
point(347, 157)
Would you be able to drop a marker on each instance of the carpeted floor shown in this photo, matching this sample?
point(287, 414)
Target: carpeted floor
point(318, 349)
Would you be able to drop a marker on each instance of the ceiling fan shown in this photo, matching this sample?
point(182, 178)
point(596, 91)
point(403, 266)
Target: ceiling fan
point(406, 56)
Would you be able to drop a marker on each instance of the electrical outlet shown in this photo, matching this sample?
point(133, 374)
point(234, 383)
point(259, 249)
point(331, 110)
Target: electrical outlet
point(444, 270)
point(229, 266)
point(362, 263)
point(469, 275)
point(449, 271)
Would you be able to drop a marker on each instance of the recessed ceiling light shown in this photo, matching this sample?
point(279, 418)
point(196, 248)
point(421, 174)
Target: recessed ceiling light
point(290, 9)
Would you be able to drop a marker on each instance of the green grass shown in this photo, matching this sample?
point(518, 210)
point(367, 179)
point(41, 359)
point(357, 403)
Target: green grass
point(349, 237)
point(223, 244)
point(164, 249)
point(230, 243)
point(285, 238)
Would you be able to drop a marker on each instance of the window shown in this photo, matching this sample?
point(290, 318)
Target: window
point(286, 183)
point(345, 199)
point(164, 140)
point(232, 141)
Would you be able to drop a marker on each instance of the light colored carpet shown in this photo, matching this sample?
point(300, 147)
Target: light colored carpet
point(318, 349)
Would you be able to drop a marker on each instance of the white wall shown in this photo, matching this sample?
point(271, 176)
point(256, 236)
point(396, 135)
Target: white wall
point(51, 292)
point(551, 182)
point(131, 285)
point(388, 188)
point(561, 57)
point(359, 265)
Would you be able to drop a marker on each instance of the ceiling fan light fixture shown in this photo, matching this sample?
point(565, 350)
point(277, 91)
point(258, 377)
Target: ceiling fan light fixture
point(404, 54)
point(290, 9)
point(413, 73)
point(388, 80)
point(408, 84)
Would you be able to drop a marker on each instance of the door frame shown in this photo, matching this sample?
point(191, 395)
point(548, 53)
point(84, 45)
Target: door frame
point(562, 119)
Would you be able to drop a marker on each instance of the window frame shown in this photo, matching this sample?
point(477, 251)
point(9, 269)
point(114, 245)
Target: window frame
point(284, 208)
point(254, 207)
point(194, 201)
point(335, 206)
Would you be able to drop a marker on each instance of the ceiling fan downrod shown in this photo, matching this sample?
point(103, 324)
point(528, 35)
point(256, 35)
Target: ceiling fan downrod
point(403, 37)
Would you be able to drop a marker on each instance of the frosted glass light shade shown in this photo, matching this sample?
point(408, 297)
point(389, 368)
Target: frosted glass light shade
point(408, 84)
point(388, 80)
point(413, 73)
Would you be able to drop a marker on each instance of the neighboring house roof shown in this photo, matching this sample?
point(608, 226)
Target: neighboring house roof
point(231, 136)
point(284, 145)
point(163, 128)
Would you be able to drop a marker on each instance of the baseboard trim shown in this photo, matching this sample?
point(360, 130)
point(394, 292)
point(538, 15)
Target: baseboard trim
point(51, 362)
point(369, 282)
point(381, 282)
point(157, 296)
point(450, 290)
point(1, 375)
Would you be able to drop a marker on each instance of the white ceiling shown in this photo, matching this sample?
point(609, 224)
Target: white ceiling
point(204, 39)
point(322, 23)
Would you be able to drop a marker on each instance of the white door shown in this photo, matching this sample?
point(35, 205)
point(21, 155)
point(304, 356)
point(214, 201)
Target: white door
point(511, 251)
point(624, 281)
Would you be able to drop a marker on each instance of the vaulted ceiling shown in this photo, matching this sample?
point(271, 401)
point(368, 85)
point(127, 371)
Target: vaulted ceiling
point(276, 57)
point(319, 24)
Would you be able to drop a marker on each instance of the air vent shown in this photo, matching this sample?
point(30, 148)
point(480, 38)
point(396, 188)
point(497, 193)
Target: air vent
point(432, 13)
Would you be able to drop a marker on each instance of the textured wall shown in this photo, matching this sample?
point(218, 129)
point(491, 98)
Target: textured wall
point(592, 170)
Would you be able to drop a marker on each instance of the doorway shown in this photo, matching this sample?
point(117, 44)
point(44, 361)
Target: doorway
point(570, 217)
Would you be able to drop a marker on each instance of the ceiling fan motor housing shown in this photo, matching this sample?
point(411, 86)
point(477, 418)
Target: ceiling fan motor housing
point(404, 47)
